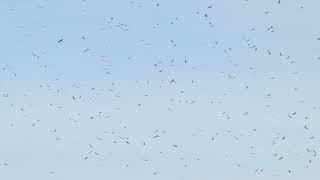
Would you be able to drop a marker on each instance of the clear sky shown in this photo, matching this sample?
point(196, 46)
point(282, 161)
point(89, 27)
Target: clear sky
point(159, 89)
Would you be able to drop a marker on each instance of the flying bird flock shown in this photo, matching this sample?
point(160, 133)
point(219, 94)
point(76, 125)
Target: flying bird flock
point(160, 89)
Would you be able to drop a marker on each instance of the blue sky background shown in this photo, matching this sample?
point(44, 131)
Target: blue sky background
point(244, 104)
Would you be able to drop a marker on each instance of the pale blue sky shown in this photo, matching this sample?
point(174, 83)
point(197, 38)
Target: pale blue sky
point(244, 103)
